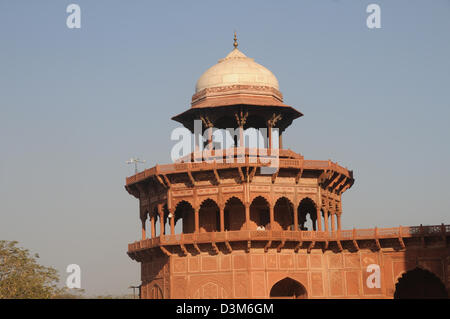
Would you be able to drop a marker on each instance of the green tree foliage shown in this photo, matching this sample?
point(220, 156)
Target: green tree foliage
point(22, 277)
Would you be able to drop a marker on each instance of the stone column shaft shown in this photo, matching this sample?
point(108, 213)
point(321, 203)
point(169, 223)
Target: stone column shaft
point(247, 216)
point(161, 219)
point(152, 222)
point(325, 215)
point(197, 227)
point(272, 218)
point(172, 224)
point(143, 228)
point(319, 220)
point(296, 218)
point(222, 219)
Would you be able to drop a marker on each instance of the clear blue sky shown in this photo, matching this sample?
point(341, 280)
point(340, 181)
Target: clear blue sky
point(75, 104)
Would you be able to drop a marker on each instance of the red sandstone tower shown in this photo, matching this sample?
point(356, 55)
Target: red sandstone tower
point(245, 233)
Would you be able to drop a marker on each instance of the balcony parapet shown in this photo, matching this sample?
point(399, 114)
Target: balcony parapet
point(293, 236)
point(296, 162)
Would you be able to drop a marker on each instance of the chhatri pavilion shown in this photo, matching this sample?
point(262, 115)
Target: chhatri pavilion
point(236, 229)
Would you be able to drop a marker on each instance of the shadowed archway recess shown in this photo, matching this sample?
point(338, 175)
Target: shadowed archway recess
point(209, 216)
point(185, 212)
point(288, 288)
point(283, 214)
point(156, 293)
point(259, 214)
point(234, 214)
point(420, 284)
point(307, 208)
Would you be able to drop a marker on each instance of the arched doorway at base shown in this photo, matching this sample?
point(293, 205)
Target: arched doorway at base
point(288, 288)
point(419, 284)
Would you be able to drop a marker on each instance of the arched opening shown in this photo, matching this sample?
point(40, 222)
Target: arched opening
point(288, 288)
point(184, 218)
point(419, 284)
point(227, 125)
point(322, 215)
point(258, 124)
point(155, 293)
point(166, 220)
point(259, 214)
point(209, 216)
point(307, 214)
point(283, 214)
point(157, 223)
point(234, 214)
point(146, 221)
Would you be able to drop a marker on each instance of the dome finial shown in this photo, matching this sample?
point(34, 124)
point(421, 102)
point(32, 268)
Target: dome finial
point(235, 44)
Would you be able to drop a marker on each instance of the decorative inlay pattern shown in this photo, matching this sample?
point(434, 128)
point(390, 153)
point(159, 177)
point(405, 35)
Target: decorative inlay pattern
point(259, 188)
point(232, 189)
point(183, 193)
point(279, 189)
point(207, 191)
point(307, 190)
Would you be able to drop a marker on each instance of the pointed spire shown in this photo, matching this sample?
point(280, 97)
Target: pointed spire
point(235, 44)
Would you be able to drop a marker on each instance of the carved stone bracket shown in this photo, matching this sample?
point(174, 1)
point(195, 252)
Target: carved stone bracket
point(241, 118)
point(274, 119)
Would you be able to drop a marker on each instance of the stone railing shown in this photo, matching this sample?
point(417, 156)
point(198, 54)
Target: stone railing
point(246, 161)
point(298, 236)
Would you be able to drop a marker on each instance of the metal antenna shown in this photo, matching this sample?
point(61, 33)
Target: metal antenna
point(134, 290)
point(135, 161)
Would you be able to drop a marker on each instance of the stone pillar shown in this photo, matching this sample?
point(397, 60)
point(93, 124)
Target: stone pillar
point(172, 223)
point(271, 123)
point(197, 227)
point(210, 133)
point(143, 227)
point(333, 228)
point(222, 218)
point(161, 219)
point(241, 118)
point(196, 143)
point(152, 222)
point(272, 219)
point(269, 128)
point(296, 218)
point(241, 136)
point(339, 216)
point(319, 219)
point(247, 216)
point(325, 215)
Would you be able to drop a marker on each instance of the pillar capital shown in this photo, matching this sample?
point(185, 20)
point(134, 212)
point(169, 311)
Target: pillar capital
point(241, 118)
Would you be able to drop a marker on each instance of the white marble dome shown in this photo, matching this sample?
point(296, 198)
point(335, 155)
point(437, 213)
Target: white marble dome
point(236, 69)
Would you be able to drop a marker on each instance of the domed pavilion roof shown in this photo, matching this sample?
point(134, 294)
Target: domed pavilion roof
point(236, 69)
point(237, 84)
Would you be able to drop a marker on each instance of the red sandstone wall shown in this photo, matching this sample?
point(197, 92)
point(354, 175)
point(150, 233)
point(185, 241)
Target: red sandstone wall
point(252, 275)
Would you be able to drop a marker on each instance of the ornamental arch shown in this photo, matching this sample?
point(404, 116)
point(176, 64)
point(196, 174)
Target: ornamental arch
point(288, 288)
point(307, 214)
point(259, 213)
point(155, 292)
point(234, 214)
point(184, 214)
point(420, 283)
point(209, 216)
point(283, 212)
